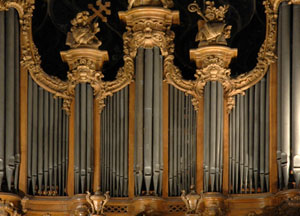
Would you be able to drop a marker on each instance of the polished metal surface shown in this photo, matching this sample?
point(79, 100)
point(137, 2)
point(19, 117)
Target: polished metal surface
point(295, 94)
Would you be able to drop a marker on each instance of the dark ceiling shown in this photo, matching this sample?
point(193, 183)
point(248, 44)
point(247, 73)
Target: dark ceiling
point(51, 22)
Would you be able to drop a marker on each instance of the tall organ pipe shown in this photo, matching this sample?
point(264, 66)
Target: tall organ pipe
point(9, 98)
point(213, 130)
point(284, 116)
point(295, 94)
point(83, 138)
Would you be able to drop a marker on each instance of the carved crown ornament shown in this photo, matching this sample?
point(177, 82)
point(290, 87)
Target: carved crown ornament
point(147, 30)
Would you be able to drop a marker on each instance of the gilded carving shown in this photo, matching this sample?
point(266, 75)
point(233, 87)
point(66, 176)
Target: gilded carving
point(8, 209)
point(192, 201)
point(83, 33)
point(97, 202)
point(138, 3)
point(212, 29)
point(287, 206)
point(294, 2)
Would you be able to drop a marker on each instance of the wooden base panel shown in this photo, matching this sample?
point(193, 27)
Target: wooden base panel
point(211, 204)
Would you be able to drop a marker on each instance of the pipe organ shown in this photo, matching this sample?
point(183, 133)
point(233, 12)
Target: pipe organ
point(150, 142)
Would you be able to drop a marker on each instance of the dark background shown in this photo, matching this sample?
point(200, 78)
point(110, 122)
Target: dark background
point(51, 22)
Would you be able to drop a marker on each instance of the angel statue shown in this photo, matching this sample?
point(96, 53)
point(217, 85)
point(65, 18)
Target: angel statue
point(97, 202)
point(164, 3)
point(192, 200)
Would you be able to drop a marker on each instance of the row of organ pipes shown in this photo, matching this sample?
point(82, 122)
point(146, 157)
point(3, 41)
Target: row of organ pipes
point(213, 137)
point(288, 140)
point(48, 128)
point(114, 144)
point(47, 141)
point(249, 140)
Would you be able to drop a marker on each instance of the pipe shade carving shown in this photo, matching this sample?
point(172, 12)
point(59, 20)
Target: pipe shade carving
point(9, 101)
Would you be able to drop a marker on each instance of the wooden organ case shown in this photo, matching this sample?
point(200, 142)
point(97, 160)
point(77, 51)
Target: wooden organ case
point(150, 142)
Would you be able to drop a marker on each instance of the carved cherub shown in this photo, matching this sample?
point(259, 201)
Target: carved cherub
point(164, 3)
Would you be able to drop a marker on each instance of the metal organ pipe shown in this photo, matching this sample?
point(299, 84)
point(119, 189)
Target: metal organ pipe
point(295, 94)
point(284, 116)
point(288, 153)
point(249, 142)
point(9, 99)
point(47, 147)
point(213, 137)
point(182, 142)
point(114, 123)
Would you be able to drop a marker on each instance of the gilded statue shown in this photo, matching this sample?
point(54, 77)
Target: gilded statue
point(137, 3)
point(192, 200)
point(83, 32)
point(212, 29)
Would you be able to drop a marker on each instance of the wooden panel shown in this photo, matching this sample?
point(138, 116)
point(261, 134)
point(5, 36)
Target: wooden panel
point(226, 151)
point(165, 188)
point(200, 146)
point(97, 143)
point(70, 178)
point(23, 129)
point(131, 140)
point(273, 129)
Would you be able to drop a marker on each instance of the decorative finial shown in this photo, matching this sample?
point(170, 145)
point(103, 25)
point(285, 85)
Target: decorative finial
point(192, 200)
point(212, 29)
point(97, 202)
point(83, 31)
